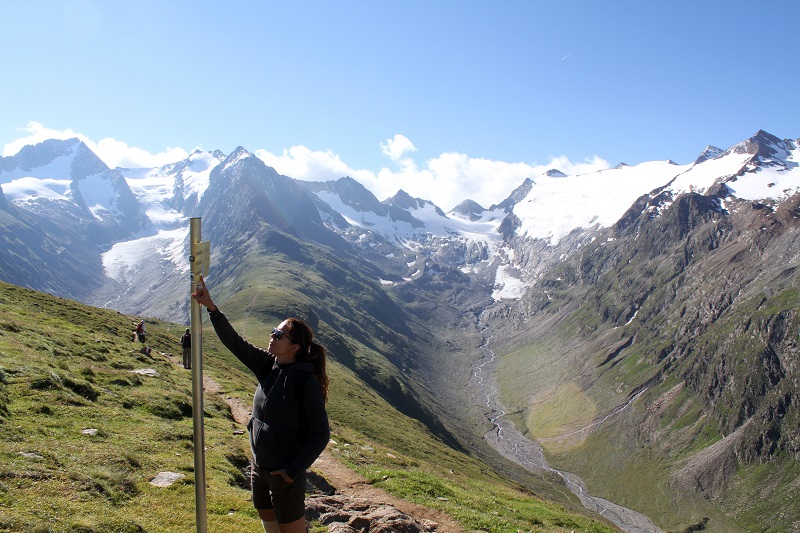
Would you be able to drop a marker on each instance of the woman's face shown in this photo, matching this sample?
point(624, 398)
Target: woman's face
point(281, 346)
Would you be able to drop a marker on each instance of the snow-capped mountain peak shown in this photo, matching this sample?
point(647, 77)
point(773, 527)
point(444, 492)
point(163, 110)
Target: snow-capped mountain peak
point(235, 157)
point(469, 209)
point(64, 178)
point(762, 168)
point(171, 192)
point(555, 173)
point(554, 206)
point(144, 212)
point(710, 152)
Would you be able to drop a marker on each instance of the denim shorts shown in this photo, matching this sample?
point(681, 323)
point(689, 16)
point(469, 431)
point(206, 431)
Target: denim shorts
point(272, 492)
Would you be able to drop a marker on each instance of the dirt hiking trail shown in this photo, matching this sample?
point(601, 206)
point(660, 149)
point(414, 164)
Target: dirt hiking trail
point(346, 483)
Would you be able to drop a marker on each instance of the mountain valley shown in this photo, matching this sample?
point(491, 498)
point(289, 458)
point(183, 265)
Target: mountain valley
point(642, 320)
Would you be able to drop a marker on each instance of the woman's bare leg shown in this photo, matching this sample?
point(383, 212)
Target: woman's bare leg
point(298, 526)
point(268, 520)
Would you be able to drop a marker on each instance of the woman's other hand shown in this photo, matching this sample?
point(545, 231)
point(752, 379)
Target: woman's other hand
point(283, 475)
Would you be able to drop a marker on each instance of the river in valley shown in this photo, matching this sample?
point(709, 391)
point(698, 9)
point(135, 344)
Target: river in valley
point(512, 445)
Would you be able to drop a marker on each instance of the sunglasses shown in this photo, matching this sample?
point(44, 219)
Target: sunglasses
point(278, 334)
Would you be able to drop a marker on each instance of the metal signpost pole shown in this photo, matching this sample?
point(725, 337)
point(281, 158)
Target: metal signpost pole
point(198, 264)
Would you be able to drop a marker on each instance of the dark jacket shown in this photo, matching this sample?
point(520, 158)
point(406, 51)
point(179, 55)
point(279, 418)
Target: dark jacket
point(289, 428)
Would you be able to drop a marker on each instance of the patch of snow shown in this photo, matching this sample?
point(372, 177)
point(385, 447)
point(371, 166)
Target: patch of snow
point(698, 178)
point(398, 230)
point(556, 206)
point(506, 285)
point(22, 190)
point(758, 183)
point(58, 168)
point(197, 175)
point(99, 195)
point(632, 318)
point(767, 183)
point(123, 261)
point(242, 154)
point(153, 189)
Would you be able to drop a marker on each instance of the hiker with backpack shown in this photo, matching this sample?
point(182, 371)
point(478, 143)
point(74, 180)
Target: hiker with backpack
point(140, 333)
point(289, 425)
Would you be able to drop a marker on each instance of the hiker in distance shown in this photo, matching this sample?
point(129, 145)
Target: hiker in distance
point(140, 333)
point(289, 425)
point(186, 344)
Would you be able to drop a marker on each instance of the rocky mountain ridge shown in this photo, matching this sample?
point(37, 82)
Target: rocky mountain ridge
point(51, 180)
point(683, 330)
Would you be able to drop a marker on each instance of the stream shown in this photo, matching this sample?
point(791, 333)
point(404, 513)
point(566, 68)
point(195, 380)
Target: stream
point(512, 445)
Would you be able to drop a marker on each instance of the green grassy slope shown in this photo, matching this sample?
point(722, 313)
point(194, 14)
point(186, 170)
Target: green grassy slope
point(66, 368)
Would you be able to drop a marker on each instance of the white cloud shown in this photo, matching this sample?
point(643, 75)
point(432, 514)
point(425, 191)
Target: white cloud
point(397, 146)
point(446, 180)
point(575, 169)
point(118, 154)
point(454, 177)
point(302, 163)
point(113, 153)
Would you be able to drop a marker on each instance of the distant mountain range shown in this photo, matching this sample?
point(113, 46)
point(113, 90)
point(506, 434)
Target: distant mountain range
point(138, 215)
point(637, 285)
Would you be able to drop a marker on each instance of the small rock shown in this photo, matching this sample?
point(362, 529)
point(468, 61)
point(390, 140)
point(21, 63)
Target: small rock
point(30, 455)
point(146, 372)
point(89, 431)
point(359, 523)
point(165, 479)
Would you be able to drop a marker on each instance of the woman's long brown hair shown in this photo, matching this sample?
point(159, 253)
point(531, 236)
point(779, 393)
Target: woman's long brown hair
point(310, 351)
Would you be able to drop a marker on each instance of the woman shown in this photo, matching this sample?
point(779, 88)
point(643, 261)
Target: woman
point(289, 427)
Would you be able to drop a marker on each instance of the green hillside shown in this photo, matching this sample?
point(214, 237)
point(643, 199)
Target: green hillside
point(66, 368)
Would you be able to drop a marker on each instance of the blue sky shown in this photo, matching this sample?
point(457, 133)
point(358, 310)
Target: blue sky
point(444, 99)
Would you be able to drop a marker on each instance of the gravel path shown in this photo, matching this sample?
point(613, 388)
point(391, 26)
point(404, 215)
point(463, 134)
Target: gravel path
point(346, 482)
